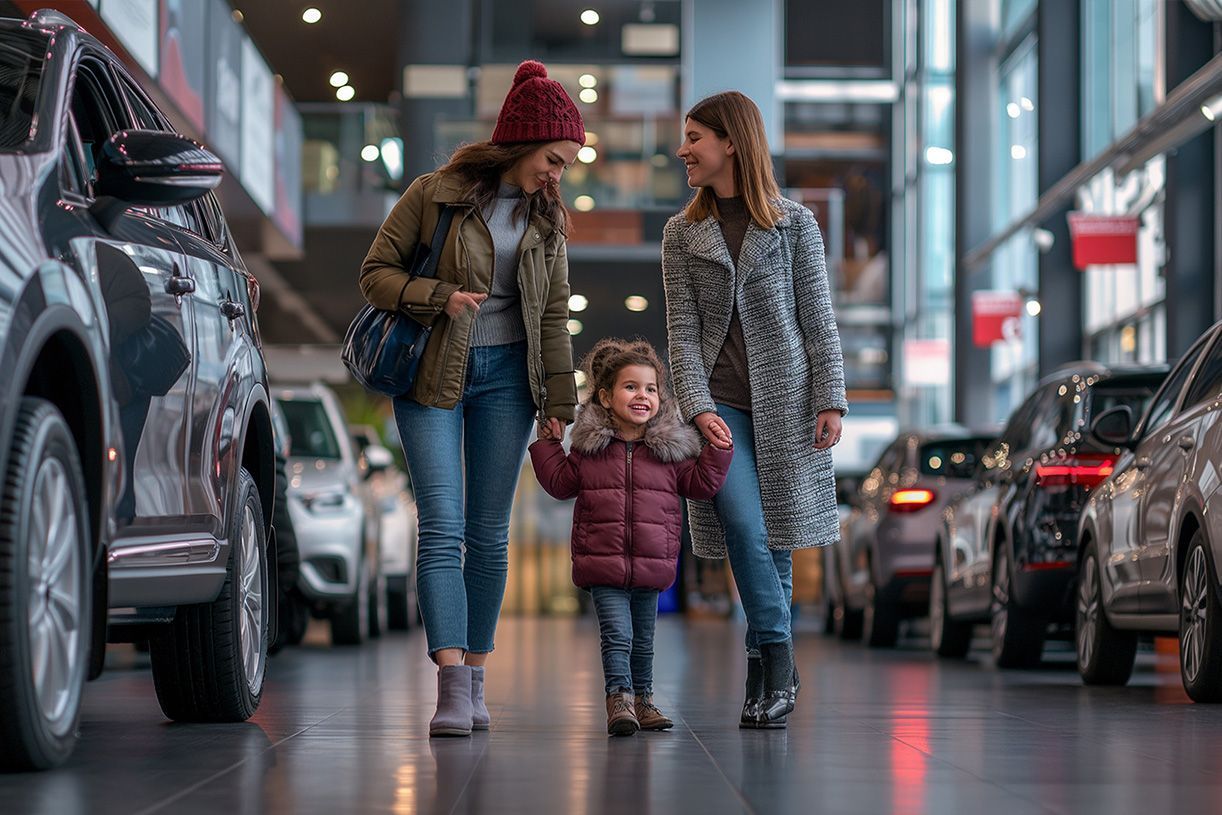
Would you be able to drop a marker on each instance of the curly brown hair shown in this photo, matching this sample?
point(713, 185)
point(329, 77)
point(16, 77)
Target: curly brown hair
point(611, 355)
point(481, 165)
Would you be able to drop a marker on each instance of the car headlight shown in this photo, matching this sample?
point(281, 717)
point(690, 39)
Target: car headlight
point(324, 501)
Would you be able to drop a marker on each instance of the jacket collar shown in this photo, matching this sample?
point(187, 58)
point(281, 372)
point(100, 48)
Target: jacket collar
point(448, 189)
point(667, 436)
point(704, 240)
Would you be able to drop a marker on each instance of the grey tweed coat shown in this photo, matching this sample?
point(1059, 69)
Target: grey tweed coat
point(793, 353)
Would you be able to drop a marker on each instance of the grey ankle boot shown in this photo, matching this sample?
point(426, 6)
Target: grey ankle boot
point(454, 714)
point(480, 720)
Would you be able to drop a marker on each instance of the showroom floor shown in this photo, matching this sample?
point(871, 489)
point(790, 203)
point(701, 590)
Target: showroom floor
point(344, 731)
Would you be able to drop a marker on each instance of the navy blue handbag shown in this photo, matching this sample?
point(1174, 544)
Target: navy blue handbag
point(382, 349)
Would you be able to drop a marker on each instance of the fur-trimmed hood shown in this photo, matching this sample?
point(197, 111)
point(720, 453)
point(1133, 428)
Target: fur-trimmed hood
point(666, 435)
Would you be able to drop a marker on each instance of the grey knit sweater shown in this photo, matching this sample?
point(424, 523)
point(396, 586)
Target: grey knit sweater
point(499, 321)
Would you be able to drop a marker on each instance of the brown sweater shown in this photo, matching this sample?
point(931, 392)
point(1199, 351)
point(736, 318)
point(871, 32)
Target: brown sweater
point(728, 381)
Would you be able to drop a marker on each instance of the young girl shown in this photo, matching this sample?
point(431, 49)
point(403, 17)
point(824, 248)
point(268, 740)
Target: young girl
point(632, 459)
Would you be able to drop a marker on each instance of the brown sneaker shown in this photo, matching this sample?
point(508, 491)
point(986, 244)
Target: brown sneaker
point(621, 720)
point(649, 716)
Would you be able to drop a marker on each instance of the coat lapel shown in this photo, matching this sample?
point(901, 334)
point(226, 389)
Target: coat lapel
point(705, 241)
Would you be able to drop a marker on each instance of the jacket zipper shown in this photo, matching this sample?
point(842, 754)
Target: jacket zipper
point(445, 354)
point(628, 514)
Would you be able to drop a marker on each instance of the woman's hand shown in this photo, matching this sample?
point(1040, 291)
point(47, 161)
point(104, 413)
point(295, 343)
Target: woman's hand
point(460, 300)
point(551, 430)
point(827, 429)
point(715, 430)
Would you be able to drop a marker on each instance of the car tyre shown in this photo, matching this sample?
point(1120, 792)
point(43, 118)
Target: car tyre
point(211, 664)
point(949, 638)
point(880, 620)
point(1105, 654)
point(378, 606)
point(1018, 636)
point(45, 591)
point(1200, 618)
point(350, 622)
point(399, 614)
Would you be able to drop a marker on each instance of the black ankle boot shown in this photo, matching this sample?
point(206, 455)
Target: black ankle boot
point(780, 690)
point(755, 690)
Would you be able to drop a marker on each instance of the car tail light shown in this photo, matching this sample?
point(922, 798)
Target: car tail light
point(1079, 471)
point(911, 500)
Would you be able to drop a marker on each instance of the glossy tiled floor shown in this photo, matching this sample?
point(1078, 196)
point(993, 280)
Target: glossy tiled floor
point(344, 731)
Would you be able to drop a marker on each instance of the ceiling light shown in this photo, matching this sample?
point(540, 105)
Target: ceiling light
point(659, 160)
point(311, 16)
point(1018, 152)
point(1013, 110)
point(587, 80)
point(939, 155)
point(583, 203)
point(338, 79)
point(1212, 109)
point(587, 154)
point(1027, 104)
point(1034, 308)
point(370, 152)
point(589, 96)
point(590, 17)
point(578, 302)
point(345, 93)
point(636, 302)
point(575, 327)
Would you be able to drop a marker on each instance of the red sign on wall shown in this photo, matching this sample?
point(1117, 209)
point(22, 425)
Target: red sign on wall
point(1103, 238)
point(996, 316)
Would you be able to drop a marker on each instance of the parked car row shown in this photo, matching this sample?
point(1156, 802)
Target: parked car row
point(152, 489)
point(1088, 518)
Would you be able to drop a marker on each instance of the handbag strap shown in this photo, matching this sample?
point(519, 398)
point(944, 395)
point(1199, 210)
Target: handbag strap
point(428, 263)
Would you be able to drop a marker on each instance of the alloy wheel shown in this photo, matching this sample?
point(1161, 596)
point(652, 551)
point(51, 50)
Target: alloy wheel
point(1001, 600)
point(937, 612)
point(1193, 603)
point(251, 629)
point(1088, 611)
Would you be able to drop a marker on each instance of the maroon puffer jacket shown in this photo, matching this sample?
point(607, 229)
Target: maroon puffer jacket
point(627, 519)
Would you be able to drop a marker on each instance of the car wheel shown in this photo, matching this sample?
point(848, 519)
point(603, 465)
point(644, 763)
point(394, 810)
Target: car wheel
point(45, 588)
point(849, 621)
point(1018, 637)
point(399, 615)
point(378, 606)
point(1200, 617)
point(350, 622)
point(294, 621)
point(880, 620)
point(1105, 654)
point(948, 637)
point(211, 664)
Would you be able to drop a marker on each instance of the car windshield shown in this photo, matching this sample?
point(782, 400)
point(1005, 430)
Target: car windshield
point(309, 429)
point(22, 54)
point(952, 458)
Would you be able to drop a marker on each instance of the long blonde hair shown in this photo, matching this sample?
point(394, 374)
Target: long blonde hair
point(734, 116)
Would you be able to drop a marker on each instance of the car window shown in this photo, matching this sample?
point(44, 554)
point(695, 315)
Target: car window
point(1164, 402)
point(22, 56)
point(1105, 398)
point(1051, 416)
point(1207, 384)
point(952, 458)
point(893, 460)
point(73, 170)
point(94, 113)
point(310, 429)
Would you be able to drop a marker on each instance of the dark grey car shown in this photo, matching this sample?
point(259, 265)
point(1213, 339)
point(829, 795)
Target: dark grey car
point(880, 569)
point(135, 442)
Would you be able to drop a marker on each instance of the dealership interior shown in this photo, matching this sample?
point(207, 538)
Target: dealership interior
point(218, 584)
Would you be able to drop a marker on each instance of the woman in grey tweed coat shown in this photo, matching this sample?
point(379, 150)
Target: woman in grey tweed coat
point(756, 363)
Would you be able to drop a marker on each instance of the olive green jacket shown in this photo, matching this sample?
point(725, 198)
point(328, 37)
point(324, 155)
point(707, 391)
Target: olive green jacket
point(466, 263)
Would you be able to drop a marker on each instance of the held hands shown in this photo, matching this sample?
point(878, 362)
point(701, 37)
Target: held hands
point(827, 429)
point(461, 300)
point(715, 430)
point(551, 430)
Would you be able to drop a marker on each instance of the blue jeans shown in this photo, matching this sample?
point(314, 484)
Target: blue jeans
point(626, 620)
point(464, 465)
point(764, 576)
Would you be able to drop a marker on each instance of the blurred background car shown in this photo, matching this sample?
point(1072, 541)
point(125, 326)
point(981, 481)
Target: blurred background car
point(1006, 553)
point(882, 564)
point(392, 495)
point(334, 517)
point(1151, 533)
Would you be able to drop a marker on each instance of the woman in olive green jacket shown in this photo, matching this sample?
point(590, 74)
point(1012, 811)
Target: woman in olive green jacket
point(499, 354)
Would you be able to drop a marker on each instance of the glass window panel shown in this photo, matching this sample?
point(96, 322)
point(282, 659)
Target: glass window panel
point(939, 42)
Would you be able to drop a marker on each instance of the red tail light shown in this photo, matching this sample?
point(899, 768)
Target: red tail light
point(1079, 471)
point(911, 500)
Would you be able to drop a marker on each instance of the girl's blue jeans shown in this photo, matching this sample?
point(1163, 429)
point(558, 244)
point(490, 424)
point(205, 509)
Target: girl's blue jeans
point(626, 619)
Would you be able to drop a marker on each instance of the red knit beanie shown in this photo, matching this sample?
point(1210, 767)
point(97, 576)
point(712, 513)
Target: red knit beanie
point(537, 109)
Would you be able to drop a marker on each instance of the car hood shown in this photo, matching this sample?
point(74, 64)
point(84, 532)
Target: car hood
point(308, 475)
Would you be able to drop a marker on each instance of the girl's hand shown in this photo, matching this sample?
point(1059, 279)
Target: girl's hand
point(827, 429)
point(461, 300)
point(715, 430)
point(551, 430)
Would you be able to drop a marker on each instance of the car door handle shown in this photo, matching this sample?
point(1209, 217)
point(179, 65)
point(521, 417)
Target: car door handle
point(1142, 462)
point(1186, 442)
point(179, 286)
point(232, 310)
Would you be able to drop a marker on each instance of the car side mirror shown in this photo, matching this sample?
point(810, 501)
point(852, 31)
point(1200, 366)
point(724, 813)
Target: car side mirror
point(1114, 426)
point(147, 168)
point(378, 458)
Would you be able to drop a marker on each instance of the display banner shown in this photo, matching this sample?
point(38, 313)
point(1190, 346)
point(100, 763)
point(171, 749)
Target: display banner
point(258, 120)
point(184, 57)
point(996, 316)
point(1103, 239)
point(134, 23)
point(224, 97)
point(288, 168)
